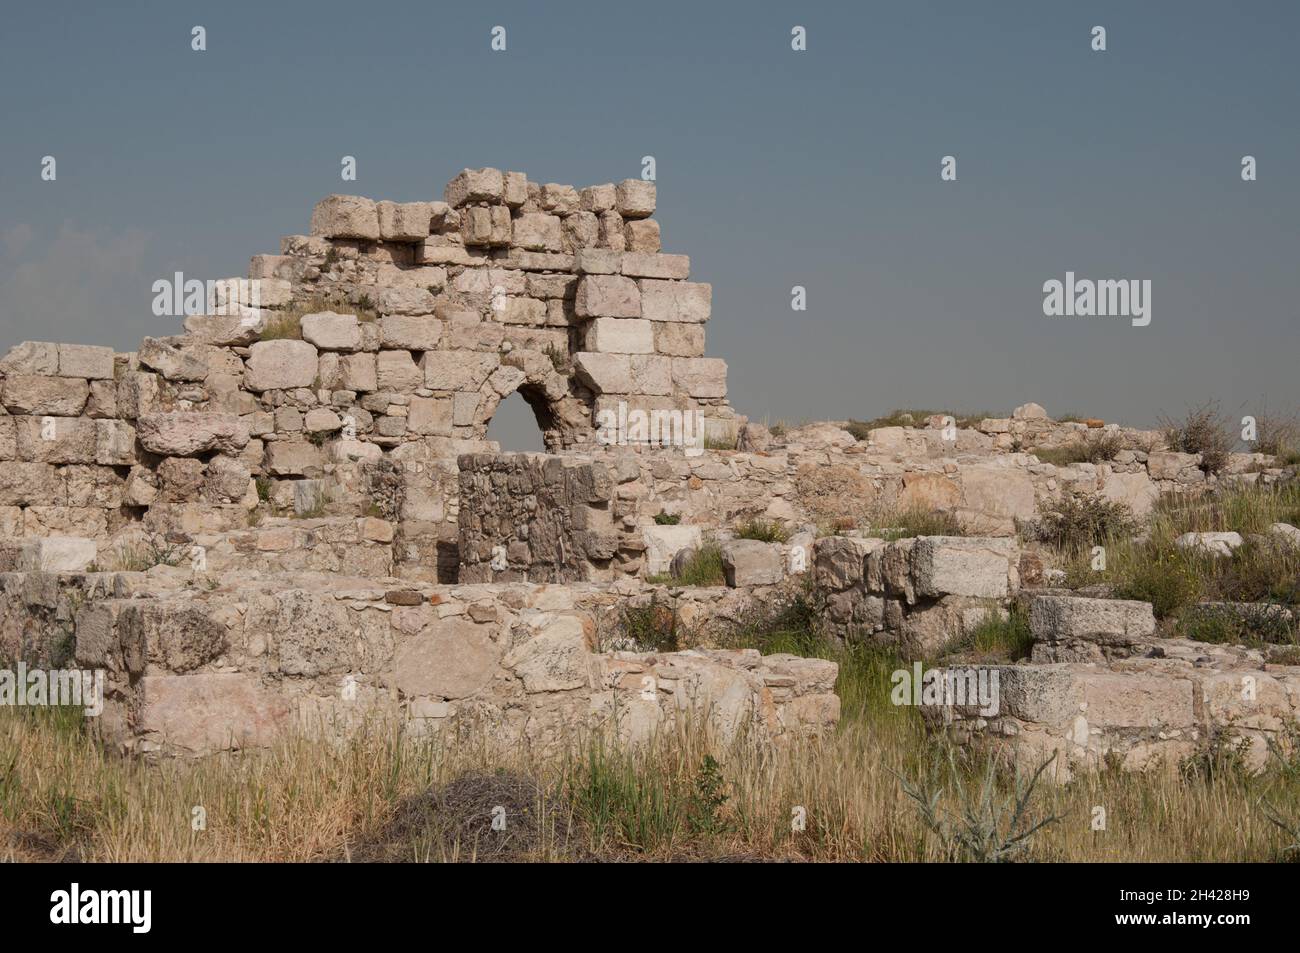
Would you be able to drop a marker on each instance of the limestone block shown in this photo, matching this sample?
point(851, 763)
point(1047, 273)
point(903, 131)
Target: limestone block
point(404, 221)
point(964, 566)
point(686, 301)
point(1055, 618)
point(475, 185)
point(430, 415)
point(330, 331)
point(555, 659)
point(704, 377)
point(642, 264)
point(620, 336)
point(678, 340)
point(604, 373)
point(40, 395)
point(419, 332)
point(664, 542)
point(641, 236)
point(280, 365)
point(451, 658)
point(608, 296)
point(31, 357)
point(635, 198)
point(752, 562)
point(346, 216)
point(85, 360)
point(189, 434)
point(538, 231)
point(206, 713)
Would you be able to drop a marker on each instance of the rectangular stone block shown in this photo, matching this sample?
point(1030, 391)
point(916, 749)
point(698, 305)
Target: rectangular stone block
point(31, 357)
point(412, 332)
point(345, 216)
point(202, 714)
point(430, 415)
point(358, 372)
point(608, 296)
point(678, 340)
point(85, 360)
point(457, 370)
point(683, 301)
point(597, 261)
point(528, 311)
point(292, 458)
point(604, 373)
point(641, 236)
point(637, 264)
point(537, 231)
point(56, 439)
point(635, 198)
point(26, 484)
point(1057, 618)
point(442, 251)
point(114, 443)
point(704, 377)
point(8, 439)
point(397, 371)
point(620, 336)
point(55, 396)
point(552, 286)
point(475, 185)
point(404, 221)
point(963, 566)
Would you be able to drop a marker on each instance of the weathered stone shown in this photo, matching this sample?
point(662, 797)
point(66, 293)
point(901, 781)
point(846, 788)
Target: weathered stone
point(450, 659)
point(555, 659)
point(332, 332)
point(206, 713)
point(404, 221)
point(410, 332)
point(475, 185)
point(620, 336)
point(635, 198)
point(751, 562)
point(608, 296)
point(85, 360)
point(685, 301)
point(1055, 618)
point(53, 396)
point(1215, 544)
point(191, 434)
point(280, 365)
point(964, 566)
point(346, 216)
point(665, 542)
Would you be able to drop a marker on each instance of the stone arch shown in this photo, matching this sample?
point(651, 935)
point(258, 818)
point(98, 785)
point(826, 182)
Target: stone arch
point(561, 406)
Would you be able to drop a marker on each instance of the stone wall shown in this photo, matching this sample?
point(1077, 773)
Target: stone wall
point(193, 669)
point(1107, 691)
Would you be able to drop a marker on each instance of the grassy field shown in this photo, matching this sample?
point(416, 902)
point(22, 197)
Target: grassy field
point(863, 792)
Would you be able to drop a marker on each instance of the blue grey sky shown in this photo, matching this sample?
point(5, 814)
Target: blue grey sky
point(775, 168)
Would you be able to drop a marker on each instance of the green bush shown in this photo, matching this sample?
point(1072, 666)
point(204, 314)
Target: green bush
point(1077, 523)
point(668, 519)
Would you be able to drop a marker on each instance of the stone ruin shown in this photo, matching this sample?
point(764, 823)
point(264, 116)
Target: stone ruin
point(289, 516)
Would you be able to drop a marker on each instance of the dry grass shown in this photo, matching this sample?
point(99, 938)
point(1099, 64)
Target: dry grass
point(383, 795)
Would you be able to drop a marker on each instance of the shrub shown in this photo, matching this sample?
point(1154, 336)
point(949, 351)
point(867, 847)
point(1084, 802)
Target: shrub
point(1205, 431)
point(1076, 523)
point(1168, 581)
point(668, 519)
point(767, 531)
point(652, 627)
point(1094, 448)
point(1277, 435)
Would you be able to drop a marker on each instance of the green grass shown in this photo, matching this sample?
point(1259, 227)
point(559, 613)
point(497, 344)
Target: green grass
point(766, 531)
point(1092, 448)
point(912, 418)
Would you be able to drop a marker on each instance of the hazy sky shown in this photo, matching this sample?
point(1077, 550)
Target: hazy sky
point(775, 168)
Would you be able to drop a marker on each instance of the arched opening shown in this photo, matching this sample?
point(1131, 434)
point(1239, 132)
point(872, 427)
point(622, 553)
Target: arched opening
point(519, 424)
